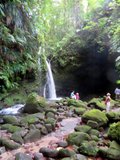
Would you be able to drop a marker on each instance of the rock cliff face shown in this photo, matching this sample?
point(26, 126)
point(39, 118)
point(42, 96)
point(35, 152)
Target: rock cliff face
point(84, 69)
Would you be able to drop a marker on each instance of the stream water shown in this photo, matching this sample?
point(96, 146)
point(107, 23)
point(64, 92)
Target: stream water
point(66, 126)
point(16, 109)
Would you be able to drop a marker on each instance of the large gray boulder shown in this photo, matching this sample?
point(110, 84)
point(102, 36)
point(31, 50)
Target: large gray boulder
point(35, 104)
point(32, 136)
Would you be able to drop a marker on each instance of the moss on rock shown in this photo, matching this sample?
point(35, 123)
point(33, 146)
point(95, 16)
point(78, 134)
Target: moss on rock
point(94, 132)
point(113, 116)
point(88, 148)
point(29, 119)
point(10, 119)
point(92, 124)
point(73, 102)
point(11, 128)
point(95, 115)
point(35, 104)
point(65, 153)
point(76, 138)
point(17, 137)
point(83, 128)
point(113, 152)
point(9, 144)
point(114, 131)
point(98, 103)
point(51, 121)
point(79, 111)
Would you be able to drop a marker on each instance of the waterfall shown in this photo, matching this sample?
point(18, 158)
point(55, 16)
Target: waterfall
point(49, 89)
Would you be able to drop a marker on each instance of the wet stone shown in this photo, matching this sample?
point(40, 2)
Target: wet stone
point(62, 144)
point(38, 156)
point(2, 150)
point(47, 152)
point(22, 156)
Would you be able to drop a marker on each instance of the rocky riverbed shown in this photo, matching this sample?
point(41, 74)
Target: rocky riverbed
point(61, 130)
point(50, 141)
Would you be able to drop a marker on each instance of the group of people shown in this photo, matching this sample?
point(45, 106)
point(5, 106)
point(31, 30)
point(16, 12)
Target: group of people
point(74, 95)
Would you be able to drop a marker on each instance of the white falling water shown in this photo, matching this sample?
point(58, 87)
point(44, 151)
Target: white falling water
point(49, 89)
point(16, 109)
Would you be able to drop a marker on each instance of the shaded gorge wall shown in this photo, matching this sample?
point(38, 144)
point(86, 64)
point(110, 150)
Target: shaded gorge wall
point(85, 70)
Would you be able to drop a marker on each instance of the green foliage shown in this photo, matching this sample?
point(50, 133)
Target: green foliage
point(19, 44)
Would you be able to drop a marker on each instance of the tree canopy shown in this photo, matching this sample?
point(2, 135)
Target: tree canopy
point(27, 27)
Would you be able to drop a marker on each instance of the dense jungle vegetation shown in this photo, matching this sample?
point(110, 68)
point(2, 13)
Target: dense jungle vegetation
point(56, 29)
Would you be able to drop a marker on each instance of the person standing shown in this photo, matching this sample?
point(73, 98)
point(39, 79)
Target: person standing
point(107, 102)
point(117, 93)
point(77, 96)
point(72, 95)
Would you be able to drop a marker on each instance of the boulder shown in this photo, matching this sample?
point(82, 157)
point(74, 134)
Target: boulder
point(79, 103)
point(114, 131)
point(49, 127)
point(17, 137)
point(113, 116)
point(76, 138)
point(97, 103)
point(79, 111)
point(11, 128)
point(10, 119)
point(62, 153)
point(29, 119)
point(9, 144)
point(38, 156)
point(95, 115)
point(94, 132)
point(47, 152)
point(35, 104)
point(81, 157)
point(32, 136)
point(88, 148)
point(113, 152)
point(94, 138)
point(22, 156)
point(50, 115)
point(2, 150)
point(51, 121)
point(62, 144)
point(92, 124)
point(44, 130)
point(82, 128)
